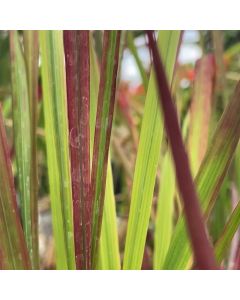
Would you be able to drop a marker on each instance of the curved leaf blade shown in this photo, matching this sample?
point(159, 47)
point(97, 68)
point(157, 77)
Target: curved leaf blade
point(209, 179)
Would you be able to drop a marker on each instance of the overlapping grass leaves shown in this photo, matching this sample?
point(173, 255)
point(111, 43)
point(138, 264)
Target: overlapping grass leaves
point(148, 158)
point(209, 179)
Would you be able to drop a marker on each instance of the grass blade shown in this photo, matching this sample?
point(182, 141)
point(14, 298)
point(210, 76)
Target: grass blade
point(106, 100)
point(209, 179)
point(31, 54)
point(76, 45)
point(13, 249)
point(231, 227)
point(23, 141)
point(200, 111)
point(109, 247)
point(203, 252)
point(147, 159)
point(56, 126)
point(164, 217)
point(132, 48)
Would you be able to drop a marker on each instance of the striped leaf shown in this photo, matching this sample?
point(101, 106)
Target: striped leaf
point(31, 55)
point(57, 141)
point(23, 141)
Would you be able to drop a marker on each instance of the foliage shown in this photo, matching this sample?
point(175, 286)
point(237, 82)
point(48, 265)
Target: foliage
point(125, 182)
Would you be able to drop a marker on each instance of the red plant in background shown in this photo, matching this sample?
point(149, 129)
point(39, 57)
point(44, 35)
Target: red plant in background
point(123, 98)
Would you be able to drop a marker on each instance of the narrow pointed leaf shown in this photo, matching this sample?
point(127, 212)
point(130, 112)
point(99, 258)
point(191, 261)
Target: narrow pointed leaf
point(209, 179)
point(164, 217)
point(109, 256)
point(57, 141)
point(133, 49)
point(147, 159)
point(105, 109)
point(31, 54)
point(202, 249)
point(76, 44)
point(22, 139)
point(109, 249)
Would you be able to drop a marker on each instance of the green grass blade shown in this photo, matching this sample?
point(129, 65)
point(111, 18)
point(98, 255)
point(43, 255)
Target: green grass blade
point(220, 212)
point(94, 86)
point(237, 167)
point(106, 100)
point(22, 136)
point(209, 179)
point(133, 49)
point(31, 54)
point(13, 249)
point(109, 246)
point(56, 127)
point(164, 217)
point(230, 229)
point(147, 158)
point(109, 249)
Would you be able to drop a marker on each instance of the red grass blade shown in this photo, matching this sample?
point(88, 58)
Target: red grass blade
point(76, 44)
point(203, 252)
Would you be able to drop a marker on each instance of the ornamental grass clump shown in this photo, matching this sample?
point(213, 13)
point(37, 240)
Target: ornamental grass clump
point(130, 176)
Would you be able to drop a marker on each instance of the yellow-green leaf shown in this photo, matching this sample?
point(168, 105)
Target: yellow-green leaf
point(148, 158)
point(57, 141)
